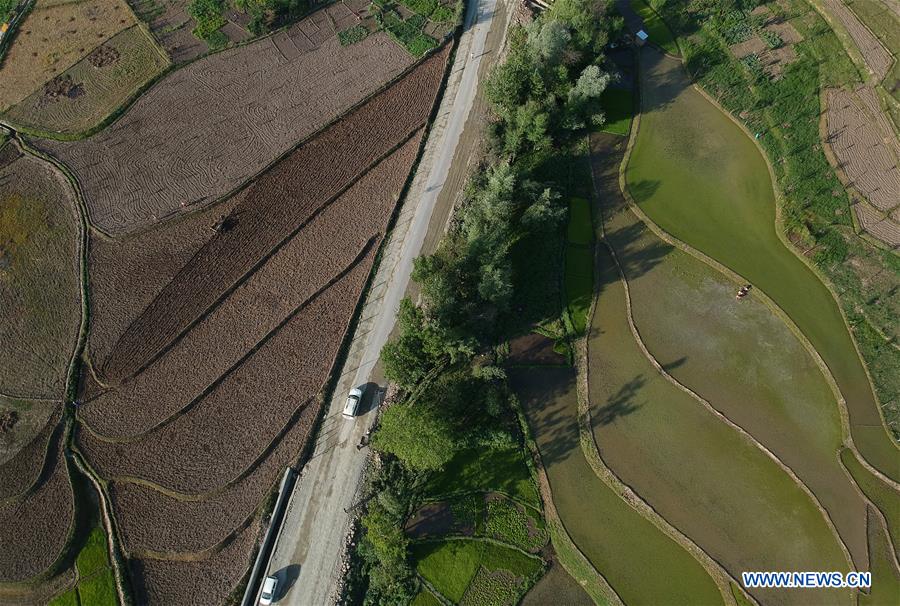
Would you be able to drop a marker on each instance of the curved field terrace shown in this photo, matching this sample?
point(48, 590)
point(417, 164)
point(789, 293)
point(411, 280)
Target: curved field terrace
point(213, 375)
point(205, 129)
point(40, 298)
point(701, 178)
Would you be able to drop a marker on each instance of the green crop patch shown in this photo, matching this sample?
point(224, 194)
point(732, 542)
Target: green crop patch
point(579, 284)
point(69, 598)
point(452, 566)
point(98, 590)
point(425, 598)
point(716, 195)
point(657, 30)
point(618, 104)
point(93, 556)
point(515, 524)
point(352, 35)
point(476, 470)
point(580, 230)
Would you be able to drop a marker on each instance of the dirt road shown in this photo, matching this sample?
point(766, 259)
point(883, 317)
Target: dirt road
point(307, 554)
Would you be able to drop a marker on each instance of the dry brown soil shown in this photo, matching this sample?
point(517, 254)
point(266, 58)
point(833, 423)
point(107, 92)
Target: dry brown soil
point(240, 326)
point(208, 127)
point(106, 79)
point(52, 38)
point(40, 310)
point(876, 57)
point(866, 150)
point(21, 471)
point(34, 528)
point(203, 582)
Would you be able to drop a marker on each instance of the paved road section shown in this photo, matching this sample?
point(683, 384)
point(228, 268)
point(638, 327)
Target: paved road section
point(307, 555)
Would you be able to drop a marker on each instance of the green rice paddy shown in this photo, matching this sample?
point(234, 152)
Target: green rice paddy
point(641, 563)
point(885, 574)
point(579, 263)
point(745, 361)
point(684, 460)
point(883, 496)
point(700, 178)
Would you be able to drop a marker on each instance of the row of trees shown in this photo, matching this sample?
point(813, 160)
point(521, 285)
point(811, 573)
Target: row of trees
point(443, 359)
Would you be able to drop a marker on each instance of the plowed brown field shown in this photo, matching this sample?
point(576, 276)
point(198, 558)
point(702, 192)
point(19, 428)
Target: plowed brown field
point(53, 37)
point(40, 310)
point(877, 58)
point(205, 129)
point(867, 153)
point(21, 471)
point(102, 87)
point(287, 280)
point(204, 582)
point(309, 178)
point(249, 406)
point(34, 529)
point(151, 521)
point(220, 356)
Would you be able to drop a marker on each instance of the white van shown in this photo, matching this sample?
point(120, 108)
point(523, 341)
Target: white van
point(268, 591)
point(351, 408)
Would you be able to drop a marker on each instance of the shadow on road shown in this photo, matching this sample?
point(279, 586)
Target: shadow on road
point(287, 576)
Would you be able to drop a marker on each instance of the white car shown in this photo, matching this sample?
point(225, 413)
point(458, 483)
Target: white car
point(351, 408)
point(268, 591)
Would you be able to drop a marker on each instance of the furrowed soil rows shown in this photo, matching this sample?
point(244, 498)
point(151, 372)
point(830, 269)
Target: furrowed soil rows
point(305, 264)
point(141, 266)
point(129, 60)
point(20, 422)
point(54, 37)
point(867, 153)
point(205, 129)
point(149, 520)
point(23, 469)
point(39, 296)
point(35, 528)
point(204, 582)
point(877, 58)
point(308, 178)
point(250, 405)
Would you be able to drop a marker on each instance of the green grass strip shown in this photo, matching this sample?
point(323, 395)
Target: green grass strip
point(656, 28)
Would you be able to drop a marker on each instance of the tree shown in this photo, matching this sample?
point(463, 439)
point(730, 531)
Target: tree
point(549, 40)
point(391, 580)
point(419, 435)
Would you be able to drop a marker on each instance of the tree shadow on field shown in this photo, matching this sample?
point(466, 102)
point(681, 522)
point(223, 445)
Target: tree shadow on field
point(669, 366)
point(635, 253)
point(644, 189)
point(620, 404)
point(663, 79)
point(548, 397)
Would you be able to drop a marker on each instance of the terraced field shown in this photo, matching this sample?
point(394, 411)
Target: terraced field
point(741, 358)
point(730, 215)
point(207, 128)
point(207, 378)
point(642, 425)
point(641, 563)
point(40, 309)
